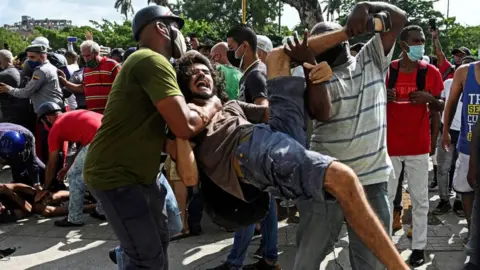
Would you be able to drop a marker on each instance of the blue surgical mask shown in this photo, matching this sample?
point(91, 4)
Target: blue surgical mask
point(416, 52)
point(34, 64)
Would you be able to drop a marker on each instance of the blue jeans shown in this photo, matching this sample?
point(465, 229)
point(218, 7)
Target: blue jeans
point(77, 189)
point(321, 223)
point(269, 227)
point(173, 213)
point(274, 158)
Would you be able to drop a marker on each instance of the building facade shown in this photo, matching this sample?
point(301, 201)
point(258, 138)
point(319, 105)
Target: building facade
point(28, 23)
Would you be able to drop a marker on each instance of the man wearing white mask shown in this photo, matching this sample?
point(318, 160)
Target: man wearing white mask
point(242, 53)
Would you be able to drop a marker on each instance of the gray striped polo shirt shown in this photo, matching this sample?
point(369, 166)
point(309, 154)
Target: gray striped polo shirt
point(356, 134)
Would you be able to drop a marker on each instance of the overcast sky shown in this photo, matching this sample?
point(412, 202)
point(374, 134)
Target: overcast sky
point(81, 11)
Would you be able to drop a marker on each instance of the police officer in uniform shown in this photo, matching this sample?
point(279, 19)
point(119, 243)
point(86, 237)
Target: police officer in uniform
point(17, 149)
point(43, 87)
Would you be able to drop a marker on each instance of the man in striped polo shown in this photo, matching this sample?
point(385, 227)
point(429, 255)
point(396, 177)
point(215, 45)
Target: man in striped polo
point(98, 77)
point(355, 134)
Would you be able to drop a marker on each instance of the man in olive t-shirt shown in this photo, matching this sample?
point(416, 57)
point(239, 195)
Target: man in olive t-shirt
point(124, 158)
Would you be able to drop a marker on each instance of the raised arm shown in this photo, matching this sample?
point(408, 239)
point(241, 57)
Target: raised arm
point(357, 21)
point(319, 102)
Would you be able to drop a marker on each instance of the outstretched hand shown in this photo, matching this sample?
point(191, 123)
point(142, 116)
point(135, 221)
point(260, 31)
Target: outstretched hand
point(299, 51)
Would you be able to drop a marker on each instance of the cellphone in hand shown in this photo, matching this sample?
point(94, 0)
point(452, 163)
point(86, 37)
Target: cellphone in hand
point(72, 39)
point(433, 24)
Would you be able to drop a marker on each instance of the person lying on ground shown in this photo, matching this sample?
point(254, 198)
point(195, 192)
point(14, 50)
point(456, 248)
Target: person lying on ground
point(265, 147)
point(17, 202)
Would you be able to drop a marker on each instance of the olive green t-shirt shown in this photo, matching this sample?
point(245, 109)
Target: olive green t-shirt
point(232, 79)
point(127, 148)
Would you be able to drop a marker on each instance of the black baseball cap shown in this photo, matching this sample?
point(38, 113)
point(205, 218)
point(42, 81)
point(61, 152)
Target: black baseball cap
point(463, 50)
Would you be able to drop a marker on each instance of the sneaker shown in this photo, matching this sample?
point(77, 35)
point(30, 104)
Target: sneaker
point(259, 252)
point(112, 254)
point(432, 186)
point(470, 266)
point(65, 223)
point(417, 258)
point(224, 266)
point(98, 216)
point(397, 221)
point(442, 207)
point(262, 265)
point(410, 232)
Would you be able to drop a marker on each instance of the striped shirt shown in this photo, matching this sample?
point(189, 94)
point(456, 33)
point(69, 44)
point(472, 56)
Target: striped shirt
point(98, 82)
point(356, 133)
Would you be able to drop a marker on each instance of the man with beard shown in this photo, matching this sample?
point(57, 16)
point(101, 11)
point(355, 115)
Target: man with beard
point(242, 45)
point(265, 148)
point(124, 158)
point(358, 123)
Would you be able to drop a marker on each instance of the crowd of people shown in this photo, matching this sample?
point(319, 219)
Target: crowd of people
point(149, 138)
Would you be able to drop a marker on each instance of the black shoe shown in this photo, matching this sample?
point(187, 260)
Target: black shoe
point(417, 258)
point(112, 254)
point(225, 266)
point(65, 223)
point(262, 265)
point(442, 207)
point(7, 252)
point(470, 266)
point(96, 215)
point(195, 229)
point(458, 208)
point(433, 185)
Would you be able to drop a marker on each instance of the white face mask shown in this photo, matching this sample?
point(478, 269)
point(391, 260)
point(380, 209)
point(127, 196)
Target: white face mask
point(240, 57)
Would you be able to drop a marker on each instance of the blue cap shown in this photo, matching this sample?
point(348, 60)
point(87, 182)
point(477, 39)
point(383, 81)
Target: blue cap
point(12, 143)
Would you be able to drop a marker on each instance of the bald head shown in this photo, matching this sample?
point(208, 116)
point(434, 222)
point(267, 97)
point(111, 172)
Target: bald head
point(6, 59)
point(324, 27)
point(219, 53)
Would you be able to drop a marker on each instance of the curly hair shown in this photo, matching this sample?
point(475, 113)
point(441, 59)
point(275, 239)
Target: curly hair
point(184, 74)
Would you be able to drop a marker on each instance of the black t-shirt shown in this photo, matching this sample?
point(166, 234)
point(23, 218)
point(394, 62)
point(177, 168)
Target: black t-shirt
point(253, 83)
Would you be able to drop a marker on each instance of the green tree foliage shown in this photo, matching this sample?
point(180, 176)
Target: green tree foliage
point(15, 41)
point(225, 14)
point(106, 33)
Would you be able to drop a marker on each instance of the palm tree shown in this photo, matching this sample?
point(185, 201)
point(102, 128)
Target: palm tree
point(158, 2)
point(125, 7)
point(331, 7)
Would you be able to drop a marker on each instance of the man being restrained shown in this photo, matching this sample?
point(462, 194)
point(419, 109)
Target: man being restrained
point(265, 147)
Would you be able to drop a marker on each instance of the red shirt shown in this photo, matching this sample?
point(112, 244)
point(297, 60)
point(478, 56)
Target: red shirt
point(98, 82)
point(78, 126)
point(444, 67)
point(408, 125)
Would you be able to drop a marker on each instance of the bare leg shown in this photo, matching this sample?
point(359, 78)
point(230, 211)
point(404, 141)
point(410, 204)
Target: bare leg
point(60, 195)
point(52, 211)
point(21, 188)
point(342, 183)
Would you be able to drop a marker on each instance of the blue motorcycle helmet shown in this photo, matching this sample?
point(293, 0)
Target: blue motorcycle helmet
point(12, 144)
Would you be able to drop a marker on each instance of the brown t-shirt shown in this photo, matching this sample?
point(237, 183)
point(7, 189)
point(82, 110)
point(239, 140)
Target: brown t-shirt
point(216, 145)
